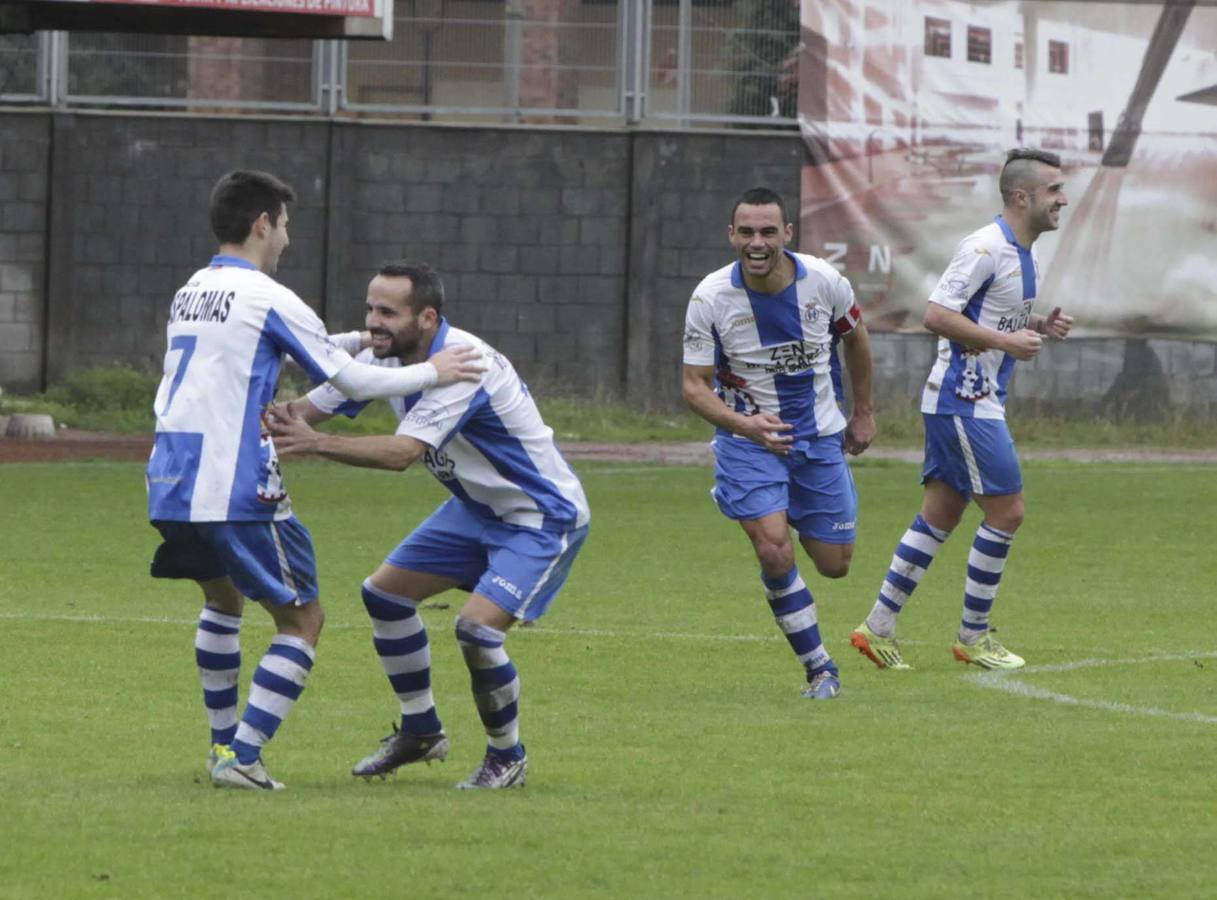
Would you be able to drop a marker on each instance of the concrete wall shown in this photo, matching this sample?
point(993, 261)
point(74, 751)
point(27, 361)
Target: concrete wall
point(574, 251)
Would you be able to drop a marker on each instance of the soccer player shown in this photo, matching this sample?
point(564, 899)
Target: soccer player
point(509, 533)
point(760, 364)
point(981, 311)
point(215, 491)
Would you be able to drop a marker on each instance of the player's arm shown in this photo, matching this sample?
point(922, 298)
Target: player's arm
point(697, 388)
point(353, 341)
point(955, 326)
point(361, 381)
point(293, 434)
point(303, 408)
point(855, 348)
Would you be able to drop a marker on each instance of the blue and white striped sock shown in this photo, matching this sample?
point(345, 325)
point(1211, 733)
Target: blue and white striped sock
point(795, 611)
point(913, 556)
point(496, 685)
point(405, 653)
point(986, 561)
point(277, 685)
point(217, 651)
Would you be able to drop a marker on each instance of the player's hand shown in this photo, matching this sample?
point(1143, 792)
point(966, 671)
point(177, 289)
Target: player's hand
point(767, 430)
point(859, 432)
point(1057, 324)
point(1023, 344)
point(291, 433)
point(455, 364)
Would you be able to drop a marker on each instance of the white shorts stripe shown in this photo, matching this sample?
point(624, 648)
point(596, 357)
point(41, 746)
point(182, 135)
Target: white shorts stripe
point(970, 458)
point(284, 569)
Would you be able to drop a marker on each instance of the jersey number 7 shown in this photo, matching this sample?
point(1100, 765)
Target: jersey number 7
point(185, 343)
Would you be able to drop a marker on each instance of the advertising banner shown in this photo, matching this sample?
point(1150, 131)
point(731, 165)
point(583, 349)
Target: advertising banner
point(907, 108)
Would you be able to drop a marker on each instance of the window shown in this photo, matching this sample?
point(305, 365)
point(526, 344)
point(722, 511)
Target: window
point(980, 44)
point(1018, 53)
point(1058, 57)
point(937, 37)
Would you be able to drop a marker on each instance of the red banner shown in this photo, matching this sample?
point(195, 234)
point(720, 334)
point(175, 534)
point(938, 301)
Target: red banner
point(364, 8)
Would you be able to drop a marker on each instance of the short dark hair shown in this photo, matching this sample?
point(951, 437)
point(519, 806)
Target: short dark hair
point(1016, 171)
point(239, 197)
point(427, 290)
point(759, 196)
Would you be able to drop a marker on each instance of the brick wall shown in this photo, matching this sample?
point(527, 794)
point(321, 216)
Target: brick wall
point(573, 251)
point(24, 157)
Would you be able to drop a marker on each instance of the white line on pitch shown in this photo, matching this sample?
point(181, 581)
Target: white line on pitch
point(1003, 681)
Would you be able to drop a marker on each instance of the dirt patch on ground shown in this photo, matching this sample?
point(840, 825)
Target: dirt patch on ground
point(70, 445)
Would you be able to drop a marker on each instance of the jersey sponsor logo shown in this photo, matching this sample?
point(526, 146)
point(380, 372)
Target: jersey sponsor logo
point(693, 340)
point(1011, 324)
point(325, 341)
point(791, 359)
point(973, 383)
point(426, 415)
point(190, 305)
point(440, 464)
point(954, 286)
point(507, 586)
point(738, 322)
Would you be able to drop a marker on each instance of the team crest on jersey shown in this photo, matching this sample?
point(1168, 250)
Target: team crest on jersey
point(973, 383)
point(693, 340)
point(810, 314)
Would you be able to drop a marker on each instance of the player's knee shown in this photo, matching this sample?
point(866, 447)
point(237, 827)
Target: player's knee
point(774, 555)
point(834, 565)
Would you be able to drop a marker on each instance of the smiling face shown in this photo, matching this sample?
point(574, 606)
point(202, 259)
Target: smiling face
point(759, 236)
point(396, 329)
point(1045, 200)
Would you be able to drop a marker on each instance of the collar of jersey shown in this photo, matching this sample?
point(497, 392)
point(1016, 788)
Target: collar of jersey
point(235, 261)
point(737, 271)
point(437, 342)
point(1007, 231)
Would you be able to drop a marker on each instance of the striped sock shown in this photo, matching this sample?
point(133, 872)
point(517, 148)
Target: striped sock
point(986, 561)
point(277, 685)
point(401, 643)
point(496, 685)
point(913, 556)
point(795, 611)
point(217, 651)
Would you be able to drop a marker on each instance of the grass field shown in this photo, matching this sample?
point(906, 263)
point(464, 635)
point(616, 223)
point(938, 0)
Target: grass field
point(670, 752)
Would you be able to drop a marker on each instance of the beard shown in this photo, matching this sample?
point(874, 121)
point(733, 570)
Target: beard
point(402, 346)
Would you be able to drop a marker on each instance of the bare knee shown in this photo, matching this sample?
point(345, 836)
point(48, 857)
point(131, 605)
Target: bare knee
point(834, 563)
point(775, 556)
point(1004, 513)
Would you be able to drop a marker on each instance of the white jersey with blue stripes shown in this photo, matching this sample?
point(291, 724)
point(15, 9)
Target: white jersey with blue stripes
point(992, 280)
point(229, 327)
point(775, 353)
point(486, 441)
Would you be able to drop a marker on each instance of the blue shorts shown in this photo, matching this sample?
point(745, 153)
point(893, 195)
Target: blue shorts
point(974, 456)
point(814, 488)
point(265, 560)
point(520, 569)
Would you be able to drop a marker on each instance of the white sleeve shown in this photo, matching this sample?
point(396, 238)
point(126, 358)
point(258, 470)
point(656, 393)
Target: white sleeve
point(360, 381)
point(300, 333)
point(699, 333)
point(970, 267)
point(442, 411)
point(350, 341)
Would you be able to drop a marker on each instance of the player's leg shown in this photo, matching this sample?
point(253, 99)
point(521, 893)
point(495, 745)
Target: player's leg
point(217, 653)
point(440, 554)
point(274, 562)
point(947, 489)
point(791, 602)
point(391, 596)
point(997, 485)
point(527, 568)
point(184, 553)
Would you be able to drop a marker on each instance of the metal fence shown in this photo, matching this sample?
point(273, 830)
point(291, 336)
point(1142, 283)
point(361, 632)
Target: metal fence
point(677, 62)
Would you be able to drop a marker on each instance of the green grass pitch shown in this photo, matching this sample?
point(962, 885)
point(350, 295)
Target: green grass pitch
point(670, 752)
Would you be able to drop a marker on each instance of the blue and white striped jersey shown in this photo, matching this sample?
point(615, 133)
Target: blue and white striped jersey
point(775, 353)
point(486, 442)
point(993, 281)
point(229, 327)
